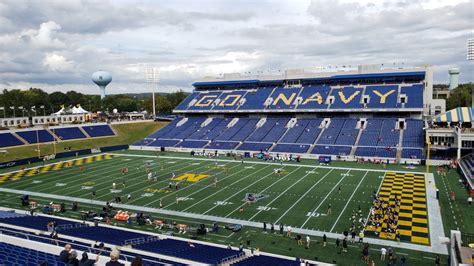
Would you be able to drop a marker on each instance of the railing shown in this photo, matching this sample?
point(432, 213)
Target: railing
point(466, 239)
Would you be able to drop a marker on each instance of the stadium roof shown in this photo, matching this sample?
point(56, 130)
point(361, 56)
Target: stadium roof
point(460, 114)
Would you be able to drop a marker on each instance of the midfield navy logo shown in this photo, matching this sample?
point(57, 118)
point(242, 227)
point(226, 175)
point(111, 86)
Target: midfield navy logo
point(254, 197)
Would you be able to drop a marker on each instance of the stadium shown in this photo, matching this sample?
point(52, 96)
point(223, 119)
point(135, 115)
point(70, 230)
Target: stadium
point(351, 166)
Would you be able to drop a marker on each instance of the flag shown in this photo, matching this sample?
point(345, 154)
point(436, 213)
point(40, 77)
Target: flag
point(20, 107)
point(42, 106)
point(12, 107)
point(33, 108)
point(2, 108)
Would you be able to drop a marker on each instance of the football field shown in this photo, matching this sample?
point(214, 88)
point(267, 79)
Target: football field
point(294, 194)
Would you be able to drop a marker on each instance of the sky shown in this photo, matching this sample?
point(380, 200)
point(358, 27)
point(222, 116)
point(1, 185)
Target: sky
point(57, 45)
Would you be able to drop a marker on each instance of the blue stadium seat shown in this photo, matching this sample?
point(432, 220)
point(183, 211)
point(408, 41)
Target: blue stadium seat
point(284, 98)
point(222, 145)
point(35, 136)
point(291, 148)
point(254, 146)
point(99, 130)
point(382, 96)
point(314, 97)
point(412, 153)
point(347, 97)
point(413, 134)
point(255, 99)
point(67, 133)
point(8, 140)
point(330, 134)
point(192, 144)
point(414, 95)
point(332, 150)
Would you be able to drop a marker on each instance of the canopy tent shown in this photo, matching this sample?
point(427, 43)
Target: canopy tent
point(78, 110)
point(460, 114)
point(60, 112)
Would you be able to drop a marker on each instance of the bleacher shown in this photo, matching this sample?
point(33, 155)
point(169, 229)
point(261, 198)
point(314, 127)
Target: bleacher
point(67, 133)
point(16, 255)
point(287, 117)
point(8, 140)
point(98, 130)
point(267, 260)
point(112, 236)
point(35, 136)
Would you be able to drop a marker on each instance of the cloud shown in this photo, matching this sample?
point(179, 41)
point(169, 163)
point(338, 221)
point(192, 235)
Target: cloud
point(56, 45)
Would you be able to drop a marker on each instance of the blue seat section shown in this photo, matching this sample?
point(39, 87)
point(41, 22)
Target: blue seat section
point(217, 130)
point(35, 222)
point(255, 99)
point(254, 146)
point(332, 150)
point(33, 136)
point(205, 100)
point(245, 131)
point(278, 129)
point(382, 96)
point(8, 140)
point(329, 135)
point(389, 136)
point(314, 97)
point(185, 103)
point(222, 145)
point(365, 151)
point(468, 161)
point(192, 144)
point(347, 97)
point(414, 95)
point(413, 134)
point(284, 98)
point(15, 255)
point(195, 252)
point(412, 153)
point(229, 100)
point(201, 132)
point(228, 133)
point(164, 143)
point(188, 128)
point(291, 148)
point(292, 135)
point(10, 214)
point(166, 130)
point(387, 152)
point(102, 234)
point(99, 130)
point(348, 133)
point(371, 133)
point(311, 132)
point(67, 133)
point(267, 261)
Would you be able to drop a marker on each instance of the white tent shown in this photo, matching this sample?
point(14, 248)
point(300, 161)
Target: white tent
point(79, 110)
point(60, 112)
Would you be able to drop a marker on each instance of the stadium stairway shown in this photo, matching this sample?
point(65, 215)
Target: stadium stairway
point(87, 134)
point(56, 138)
point(400, 143)
point(19, 137)
point(356, 143)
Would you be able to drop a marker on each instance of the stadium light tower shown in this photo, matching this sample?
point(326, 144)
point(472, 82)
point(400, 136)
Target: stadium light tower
point(152, 76)
point(470, 57)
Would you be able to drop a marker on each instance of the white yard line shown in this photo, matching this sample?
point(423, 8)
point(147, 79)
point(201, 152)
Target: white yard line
point(302, 197)
point(329, 193)
point(348, 201)
point(239, 180)
point(274, 183)
point(280, 194)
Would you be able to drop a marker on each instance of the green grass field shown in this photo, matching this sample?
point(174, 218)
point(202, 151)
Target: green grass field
point(299, 196)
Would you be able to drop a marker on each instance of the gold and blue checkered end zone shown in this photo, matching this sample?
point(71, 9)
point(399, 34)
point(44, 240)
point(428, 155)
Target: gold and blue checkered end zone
point(400, 209)
point(52, 167)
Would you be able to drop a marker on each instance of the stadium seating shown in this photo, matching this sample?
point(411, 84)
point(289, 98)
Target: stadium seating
point(192, 144)
point(291, 148)
point(412, 153)
point(413, 134)
point(35, 136)
point(370, 135)
point(67, 133)
point(330, 134)
point(15, 255)
point(284, 98)
point(99, 130)
point(414, 95)
point(389, 135)
point(382, 96)
point(195, 252)
point(347, 97)
point(222, 145)
point(314, 97)
point(332, 150)
point(348, 133)
point(8, 140)
point(254, 146)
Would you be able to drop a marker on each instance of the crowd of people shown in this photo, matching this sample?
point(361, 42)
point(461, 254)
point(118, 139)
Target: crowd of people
point(385, 212)
point(69, 256)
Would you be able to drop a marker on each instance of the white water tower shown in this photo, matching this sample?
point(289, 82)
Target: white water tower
point(454, 78)
point(102, 79)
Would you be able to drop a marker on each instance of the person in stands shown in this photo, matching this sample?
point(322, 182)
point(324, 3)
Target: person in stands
point(73, 259)
point(64, 255)
point(85, 261)
point(114, 259)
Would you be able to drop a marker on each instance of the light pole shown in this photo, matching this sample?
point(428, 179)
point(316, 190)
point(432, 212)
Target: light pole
point(44, 112)
point(3, 109)
point(152, 76)
point(22, 109)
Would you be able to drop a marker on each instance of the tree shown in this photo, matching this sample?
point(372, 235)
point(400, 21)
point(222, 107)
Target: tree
point(460, 96)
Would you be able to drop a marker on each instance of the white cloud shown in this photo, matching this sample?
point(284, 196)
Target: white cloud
point(57, 45)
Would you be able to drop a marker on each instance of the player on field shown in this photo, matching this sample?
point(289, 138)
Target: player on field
point(150, 176)
point(215, 181)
